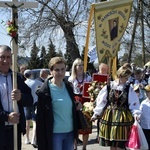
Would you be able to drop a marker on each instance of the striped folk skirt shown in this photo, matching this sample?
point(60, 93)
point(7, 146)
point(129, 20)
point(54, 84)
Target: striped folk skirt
point(115, 125)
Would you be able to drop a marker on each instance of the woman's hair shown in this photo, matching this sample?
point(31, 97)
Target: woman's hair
point(127, 65)
point(124, 72)
point(137, 71)
point(56, 60)
point(76, 62)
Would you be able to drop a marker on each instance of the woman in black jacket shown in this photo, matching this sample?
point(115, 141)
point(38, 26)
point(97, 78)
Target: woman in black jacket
point(56, 110)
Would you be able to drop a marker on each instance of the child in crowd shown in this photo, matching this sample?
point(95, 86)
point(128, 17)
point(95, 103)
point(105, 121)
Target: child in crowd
point(137, 90)
point(145, 119)
point(138, 75)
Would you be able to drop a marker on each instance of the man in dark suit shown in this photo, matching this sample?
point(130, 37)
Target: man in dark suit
point(8, 117)
point(114, 30)
point(43, 75)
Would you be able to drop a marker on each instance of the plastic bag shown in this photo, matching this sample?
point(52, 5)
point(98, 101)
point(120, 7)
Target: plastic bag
point(142, 138)
point(133, 142)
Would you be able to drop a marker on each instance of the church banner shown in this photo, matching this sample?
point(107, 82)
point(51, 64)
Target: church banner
point(111, 19)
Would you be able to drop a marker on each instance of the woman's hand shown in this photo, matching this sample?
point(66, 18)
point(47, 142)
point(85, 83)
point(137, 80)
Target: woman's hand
point(79, 105)
point(136, 117)
point(94, 117)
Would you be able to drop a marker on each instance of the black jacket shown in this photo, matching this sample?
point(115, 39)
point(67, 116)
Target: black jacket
point(26, 100)
point(45, 116)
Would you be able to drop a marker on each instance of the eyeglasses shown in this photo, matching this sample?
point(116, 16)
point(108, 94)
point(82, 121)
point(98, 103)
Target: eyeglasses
point(5, 57)
point(60, 70)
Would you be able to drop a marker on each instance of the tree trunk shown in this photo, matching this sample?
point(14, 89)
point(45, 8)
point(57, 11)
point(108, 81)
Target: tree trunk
point(142, 28)
point(133, 34)
point(71, 45)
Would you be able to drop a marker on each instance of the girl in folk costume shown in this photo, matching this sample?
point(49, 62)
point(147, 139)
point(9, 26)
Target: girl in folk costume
point(77, 78)
point(118, 104)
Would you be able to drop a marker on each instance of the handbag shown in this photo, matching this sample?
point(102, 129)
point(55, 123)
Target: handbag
point(142, 138)
point(81, 121)
point(133, 142)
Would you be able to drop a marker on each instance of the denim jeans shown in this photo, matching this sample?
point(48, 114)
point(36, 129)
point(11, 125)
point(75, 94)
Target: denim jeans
point(29, 113)
point(63, 141)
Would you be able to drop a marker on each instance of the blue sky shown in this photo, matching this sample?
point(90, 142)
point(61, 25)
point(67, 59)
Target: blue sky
point(4, 38)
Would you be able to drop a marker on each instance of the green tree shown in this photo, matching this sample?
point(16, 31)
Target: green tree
point(60, 54)
point(43, 62)
point(34, 60)
point(68, 60)
point(51, 51)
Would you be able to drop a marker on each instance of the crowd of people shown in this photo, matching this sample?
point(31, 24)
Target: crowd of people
point(51, 102)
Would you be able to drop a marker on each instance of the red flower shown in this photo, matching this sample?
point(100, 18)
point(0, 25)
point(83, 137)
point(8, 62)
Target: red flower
point(13, 34)
point(9, 23)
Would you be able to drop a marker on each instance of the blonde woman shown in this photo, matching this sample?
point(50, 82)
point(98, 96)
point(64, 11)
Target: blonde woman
point(77, 78)
point(117, 104)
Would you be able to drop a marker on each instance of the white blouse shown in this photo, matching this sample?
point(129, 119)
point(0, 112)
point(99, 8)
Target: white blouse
point(101, 99)
point(78, 85)
point(145, 116)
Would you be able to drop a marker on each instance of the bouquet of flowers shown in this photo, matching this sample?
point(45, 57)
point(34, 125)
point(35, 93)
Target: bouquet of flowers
point(88, 109)
point(93, 91)
point(12, 29)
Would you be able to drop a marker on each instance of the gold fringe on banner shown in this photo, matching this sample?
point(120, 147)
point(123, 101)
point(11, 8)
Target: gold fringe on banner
point(114, 68)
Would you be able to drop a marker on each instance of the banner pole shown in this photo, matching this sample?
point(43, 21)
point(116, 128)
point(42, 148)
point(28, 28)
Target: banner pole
point(87, 38)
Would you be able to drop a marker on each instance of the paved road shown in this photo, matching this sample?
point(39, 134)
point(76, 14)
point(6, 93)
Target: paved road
point(91, 144)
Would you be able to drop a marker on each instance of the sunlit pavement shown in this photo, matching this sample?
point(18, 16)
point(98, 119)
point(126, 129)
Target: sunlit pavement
point(92, 145)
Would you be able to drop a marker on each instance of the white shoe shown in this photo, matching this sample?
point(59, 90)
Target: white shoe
point(27, 141)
